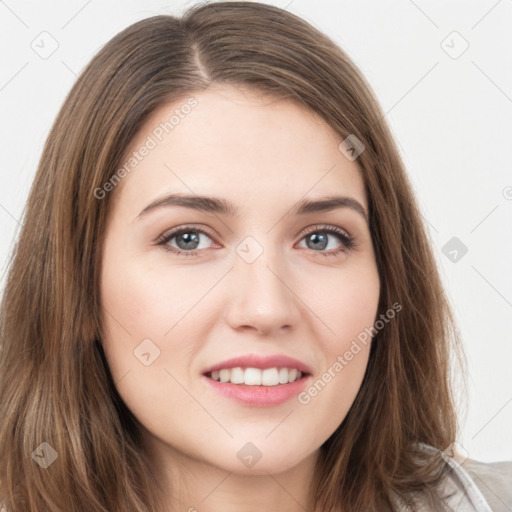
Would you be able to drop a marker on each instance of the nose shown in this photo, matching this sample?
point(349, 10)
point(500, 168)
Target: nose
point(261, 296)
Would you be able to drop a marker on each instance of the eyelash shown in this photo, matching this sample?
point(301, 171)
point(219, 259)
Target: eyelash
point(348, 241)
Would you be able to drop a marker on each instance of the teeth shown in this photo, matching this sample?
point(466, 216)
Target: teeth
point(257, 377)
point(270, 377)
point(283, 375)
point(237, 376)
point(252, 377)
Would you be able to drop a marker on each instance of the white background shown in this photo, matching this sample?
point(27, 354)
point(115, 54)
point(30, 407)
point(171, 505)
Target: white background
point(451, 117)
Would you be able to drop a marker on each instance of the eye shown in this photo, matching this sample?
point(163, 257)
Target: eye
point(187, 240)
point(317, 238)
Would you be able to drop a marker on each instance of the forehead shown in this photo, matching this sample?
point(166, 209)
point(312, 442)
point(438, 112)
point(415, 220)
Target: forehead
point(238, 143)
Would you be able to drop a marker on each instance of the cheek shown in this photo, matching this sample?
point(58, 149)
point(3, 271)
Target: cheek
point(150, 295)
point(154, 323)
point(146, 351)
point(333, 390)
point(346, 304)
point(347, 309)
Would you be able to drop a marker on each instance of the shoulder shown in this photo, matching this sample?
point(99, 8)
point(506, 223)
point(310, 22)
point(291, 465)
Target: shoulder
point(494, 481)
point(473, 486)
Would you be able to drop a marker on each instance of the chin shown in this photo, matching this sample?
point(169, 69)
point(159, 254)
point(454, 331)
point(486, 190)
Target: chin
point(260, 457)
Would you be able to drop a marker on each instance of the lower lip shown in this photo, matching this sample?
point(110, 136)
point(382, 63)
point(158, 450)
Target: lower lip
point(259, 396)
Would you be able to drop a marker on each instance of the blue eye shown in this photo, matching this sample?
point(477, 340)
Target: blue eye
point(319, 235)
point(188, 239)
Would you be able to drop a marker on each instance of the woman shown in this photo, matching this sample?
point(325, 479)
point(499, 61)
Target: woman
point(223, 296)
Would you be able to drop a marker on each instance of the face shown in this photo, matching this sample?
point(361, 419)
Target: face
point(229, 325)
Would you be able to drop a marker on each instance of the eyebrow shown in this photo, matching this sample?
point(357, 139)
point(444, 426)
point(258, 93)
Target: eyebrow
point(221, 206)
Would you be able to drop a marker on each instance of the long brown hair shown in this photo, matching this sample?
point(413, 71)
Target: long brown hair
point(55, 385)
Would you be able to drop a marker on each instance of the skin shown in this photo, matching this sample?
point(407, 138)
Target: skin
point(264, 156)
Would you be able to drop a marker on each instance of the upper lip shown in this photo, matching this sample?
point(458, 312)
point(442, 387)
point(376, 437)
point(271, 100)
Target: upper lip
point(262, 362)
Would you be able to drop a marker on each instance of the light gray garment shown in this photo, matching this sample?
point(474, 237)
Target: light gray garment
point(474, 486)
point(494, 480)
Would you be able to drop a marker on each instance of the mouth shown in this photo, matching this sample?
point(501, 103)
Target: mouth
point(254, 381)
